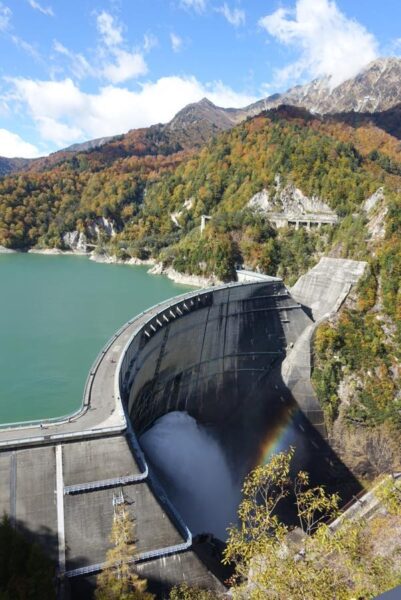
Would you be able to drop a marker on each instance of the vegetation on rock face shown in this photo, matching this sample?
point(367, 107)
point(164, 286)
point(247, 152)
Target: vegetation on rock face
point(356, 344)
point(119, 581)
point(357, 371)
point(186, 592)
point(359, 559)
point(25, 572)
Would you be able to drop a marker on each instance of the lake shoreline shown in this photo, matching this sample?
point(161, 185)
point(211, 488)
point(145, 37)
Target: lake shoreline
point(155, 268)
point(4, 250)
point(55, 316)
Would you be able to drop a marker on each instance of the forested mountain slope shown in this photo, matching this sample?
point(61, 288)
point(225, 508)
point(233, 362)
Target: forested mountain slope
point(152, 191)
point(191, 127)
point(374, 90)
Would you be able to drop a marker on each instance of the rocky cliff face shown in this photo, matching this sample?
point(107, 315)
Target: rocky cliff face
point(75, 241)
point(79, 241)
point(289, 201)
point(203, 111)
point(376, 88)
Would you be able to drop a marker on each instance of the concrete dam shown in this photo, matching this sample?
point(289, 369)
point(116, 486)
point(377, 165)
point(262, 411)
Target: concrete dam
point(237, 359)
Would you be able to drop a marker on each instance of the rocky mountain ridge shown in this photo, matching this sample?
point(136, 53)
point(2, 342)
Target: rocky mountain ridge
point(376, 88)
point(375, 91)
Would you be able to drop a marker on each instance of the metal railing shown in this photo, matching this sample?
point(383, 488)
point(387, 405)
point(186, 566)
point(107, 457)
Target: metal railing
point(141, 557)
point(101, 484)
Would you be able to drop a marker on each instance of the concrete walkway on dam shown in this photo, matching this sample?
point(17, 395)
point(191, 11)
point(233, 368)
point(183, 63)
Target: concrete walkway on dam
point(231, 344)
point(101, 412)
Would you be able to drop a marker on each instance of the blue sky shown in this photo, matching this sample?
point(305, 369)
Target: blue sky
point(72, 70)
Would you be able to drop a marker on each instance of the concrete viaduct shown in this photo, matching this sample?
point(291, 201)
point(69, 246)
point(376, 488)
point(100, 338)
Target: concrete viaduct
point(306, 220)
point(235, 356)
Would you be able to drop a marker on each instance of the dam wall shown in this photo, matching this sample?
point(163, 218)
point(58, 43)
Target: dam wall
point(189, 355)
point(236, 358)
point(218, 355)
point(206, 353)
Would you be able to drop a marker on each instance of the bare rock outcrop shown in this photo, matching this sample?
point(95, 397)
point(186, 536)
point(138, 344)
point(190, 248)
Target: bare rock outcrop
point(376, 211)
point(75, 241)
point(290, 202)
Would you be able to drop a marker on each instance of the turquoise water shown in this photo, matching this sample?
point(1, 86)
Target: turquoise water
point(56, 313)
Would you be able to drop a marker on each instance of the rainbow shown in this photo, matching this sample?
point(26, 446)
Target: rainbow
point(280, 434)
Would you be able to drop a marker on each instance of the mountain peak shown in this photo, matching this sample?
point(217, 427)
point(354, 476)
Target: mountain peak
point(206, 102)
point(202, 114)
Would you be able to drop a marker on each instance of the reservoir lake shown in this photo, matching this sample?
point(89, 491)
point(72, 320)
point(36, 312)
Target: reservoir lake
point(56, 314)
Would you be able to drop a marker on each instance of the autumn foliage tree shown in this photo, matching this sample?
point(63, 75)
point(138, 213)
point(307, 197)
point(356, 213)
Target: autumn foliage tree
point(315, 562)
point(118, 580)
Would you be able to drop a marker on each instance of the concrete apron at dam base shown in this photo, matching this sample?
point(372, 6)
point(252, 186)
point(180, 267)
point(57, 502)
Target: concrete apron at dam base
point(237, 358)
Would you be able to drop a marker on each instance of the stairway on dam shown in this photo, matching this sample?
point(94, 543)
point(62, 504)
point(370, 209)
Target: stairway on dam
point(231, 357)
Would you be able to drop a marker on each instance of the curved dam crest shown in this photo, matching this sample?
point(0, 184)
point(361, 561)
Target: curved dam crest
point(237, 360)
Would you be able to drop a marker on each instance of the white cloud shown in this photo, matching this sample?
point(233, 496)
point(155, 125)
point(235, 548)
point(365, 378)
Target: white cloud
point(119, 65)
point(128, 65)
point(45, 10)
point(26, 47)
point(330, 44)
point(78, 63)
point(176, 42)
point(197, 5)
point(235, 16)
point(64, 114)
point(112, 62)
point(54, 99)
point(12, 145)
point(150, 41)
point(6, 27)
point(57, 132)
point(110, 31)
point(395, 46)
point(5, 17)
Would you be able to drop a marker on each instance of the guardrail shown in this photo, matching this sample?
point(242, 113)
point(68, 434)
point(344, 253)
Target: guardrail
point(363, 498)
point(101, 484)
point(142, 557)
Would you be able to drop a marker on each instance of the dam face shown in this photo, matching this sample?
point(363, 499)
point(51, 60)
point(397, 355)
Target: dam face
point(217, 355)
point(210, 353)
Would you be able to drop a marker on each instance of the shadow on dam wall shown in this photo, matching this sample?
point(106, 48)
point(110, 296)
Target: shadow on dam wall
point(220, 360)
